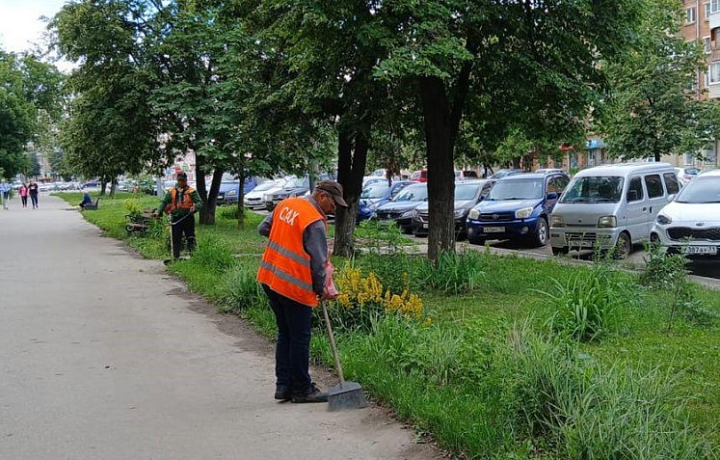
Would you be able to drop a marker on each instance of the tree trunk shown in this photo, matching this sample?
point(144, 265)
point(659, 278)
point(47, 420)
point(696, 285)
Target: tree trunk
point(352, 159)
point(441, 176)
point(241, 200)
point(209, 197)
point(113, 188)
point(657, 156)
point(103, 185)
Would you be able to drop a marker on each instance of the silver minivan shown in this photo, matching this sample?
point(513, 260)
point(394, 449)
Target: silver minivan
point(611, 206)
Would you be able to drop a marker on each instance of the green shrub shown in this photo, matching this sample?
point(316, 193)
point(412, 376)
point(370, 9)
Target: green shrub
point(453, 274)
point(588, 304)
point(587, 411)
point(240, 290)
point(212, 255)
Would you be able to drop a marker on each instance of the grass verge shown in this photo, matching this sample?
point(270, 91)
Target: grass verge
point(493, 373)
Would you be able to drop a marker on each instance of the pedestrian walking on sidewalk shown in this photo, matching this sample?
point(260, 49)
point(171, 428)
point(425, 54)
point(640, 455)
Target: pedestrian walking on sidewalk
point(34, 190)
point(24, 194)
point(181, 203)
point(5, 192)
point(292, 273)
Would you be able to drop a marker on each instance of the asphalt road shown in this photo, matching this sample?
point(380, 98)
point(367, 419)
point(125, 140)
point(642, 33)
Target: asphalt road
point(105, 356)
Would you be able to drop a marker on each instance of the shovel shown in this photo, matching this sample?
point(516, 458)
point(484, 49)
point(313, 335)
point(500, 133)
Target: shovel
point(347, 395)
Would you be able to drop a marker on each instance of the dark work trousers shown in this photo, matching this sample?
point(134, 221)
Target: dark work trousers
point(24, 201)
point(292, 350)
point(185, 227)
point(34, 198)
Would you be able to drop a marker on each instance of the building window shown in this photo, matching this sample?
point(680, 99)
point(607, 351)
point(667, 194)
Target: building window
point(690, 16)
point(714, 6)
point(707, 11)
point(708, 45)
point(688, 159)
point(714, 73)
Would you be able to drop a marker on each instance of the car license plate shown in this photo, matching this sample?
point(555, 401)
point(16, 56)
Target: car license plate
point(493, 229)
point(704, 250)
point(425, 226)
point(581, 243)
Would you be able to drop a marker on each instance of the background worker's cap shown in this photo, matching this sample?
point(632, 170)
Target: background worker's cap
point(181, 175)
point(333, 189)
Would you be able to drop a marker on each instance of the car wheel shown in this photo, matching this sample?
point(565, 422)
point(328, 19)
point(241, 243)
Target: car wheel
point(560, 251)
point(542, 233)
point(623, 247)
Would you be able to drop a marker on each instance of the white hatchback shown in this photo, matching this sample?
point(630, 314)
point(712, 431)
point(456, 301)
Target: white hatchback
point(691, 223)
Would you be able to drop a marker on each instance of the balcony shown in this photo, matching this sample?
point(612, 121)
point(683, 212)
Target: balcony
point(714, 20)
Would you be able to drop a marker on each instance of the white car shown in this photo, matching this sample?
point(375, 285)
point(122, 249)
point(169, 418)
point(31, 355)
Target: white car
point(691, 223)
point(686, 174)
point(255, 199)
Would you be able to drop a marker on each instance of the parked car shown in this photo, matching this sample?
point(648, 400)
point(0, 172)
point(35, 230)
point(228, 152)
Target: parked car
point(401, 209)
point(255, 199)
point(550, 170)
point(370, 180)
point(690, 224)
point(467, 174)
point(612, 207)
point(228, 193)
point(419, 176)
point(293, 187)
point(467, 195)
point(377, 194)
point(501, 173)
point(91, 184)
point(686, 174)
point(517, 208)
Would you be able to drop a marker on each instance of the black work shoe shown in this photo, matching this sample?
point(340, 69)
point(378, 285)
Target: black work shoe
point(283, 393)
point(312, 396)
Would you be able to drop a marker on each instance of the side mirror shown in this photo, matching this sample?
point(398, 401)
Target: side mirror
point(553, 196)
point(672, 197)
point(482, 197)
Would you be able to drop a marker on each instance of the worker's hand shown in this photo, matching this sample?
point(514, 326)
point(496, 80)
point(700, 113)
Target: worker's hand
point(327, 296)
point(192, 210)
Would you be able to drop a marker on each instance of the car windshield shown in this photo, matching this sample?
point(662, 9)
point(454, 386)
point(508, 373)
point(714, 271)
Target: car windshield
point(374, 191)
point(692, 171)
point(517, 190)
point(267, 185)
point(413, 193)
point(594, 189)
point(701, 190)
point(466, 192)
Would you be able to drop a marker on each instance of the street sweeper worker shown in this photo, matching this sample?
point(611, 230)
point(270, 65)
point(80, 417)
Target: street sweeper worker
point(180, 203)
point(292, 273)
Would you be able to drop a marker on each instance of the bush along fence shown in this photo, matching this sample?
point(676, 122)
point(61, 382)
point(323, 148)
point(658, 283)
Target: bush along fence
point(535, 376)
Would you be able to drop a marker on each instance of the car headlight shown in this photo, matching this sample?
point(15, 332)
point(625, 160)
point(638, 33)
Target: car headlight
point(523, 213)
point(409, 213)
point(607, 222)
point(474, 214)
point(557, 221)
point(232, 193)
point(662, 219)
point(459, 213)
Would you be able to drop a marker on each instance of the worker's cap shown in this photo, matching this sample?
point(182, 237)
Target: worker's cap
point(333, 189)
point(182, 176)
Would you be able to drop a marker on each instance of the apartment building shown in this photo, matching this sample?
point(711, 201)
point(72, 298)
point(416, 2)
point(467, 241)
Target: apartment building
point(702, 23)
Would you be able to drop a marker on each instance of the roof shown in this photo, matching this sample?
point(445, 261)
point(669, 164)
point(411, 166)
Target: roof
point(710, 173)
point(624, 169)
point(531, 176)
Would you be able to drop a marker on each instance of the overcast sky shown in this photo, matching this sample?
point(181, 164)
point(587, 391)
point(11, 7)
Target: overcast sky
point(20, 24)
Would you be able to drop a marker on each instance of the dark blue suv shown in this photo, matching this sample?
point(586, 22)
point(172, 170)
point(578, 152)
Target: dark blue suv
point(518, 208)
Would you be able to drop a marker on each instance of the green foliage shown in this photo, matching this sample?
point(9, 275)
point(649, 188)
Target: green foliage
point(240, 290)
point(588, 304)
point(452, 274)
point(652, 108)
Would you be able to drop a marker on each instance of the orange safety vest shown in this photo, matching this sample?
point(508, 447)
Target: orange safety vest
point(285, 266)
point(184, 201)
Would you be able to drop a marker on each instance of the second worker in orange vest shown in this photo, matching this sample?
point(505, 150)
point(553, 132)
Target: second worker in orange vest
point(292, 273)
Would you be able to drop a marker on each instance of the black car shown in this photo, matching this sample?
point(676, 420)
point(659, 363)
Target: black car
point(402, 208)
point(467, 195)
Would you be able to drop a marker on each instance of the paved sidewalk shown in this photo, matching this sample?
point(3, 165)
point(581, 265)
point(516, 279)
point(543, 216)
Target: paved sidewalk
point(104, 356)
